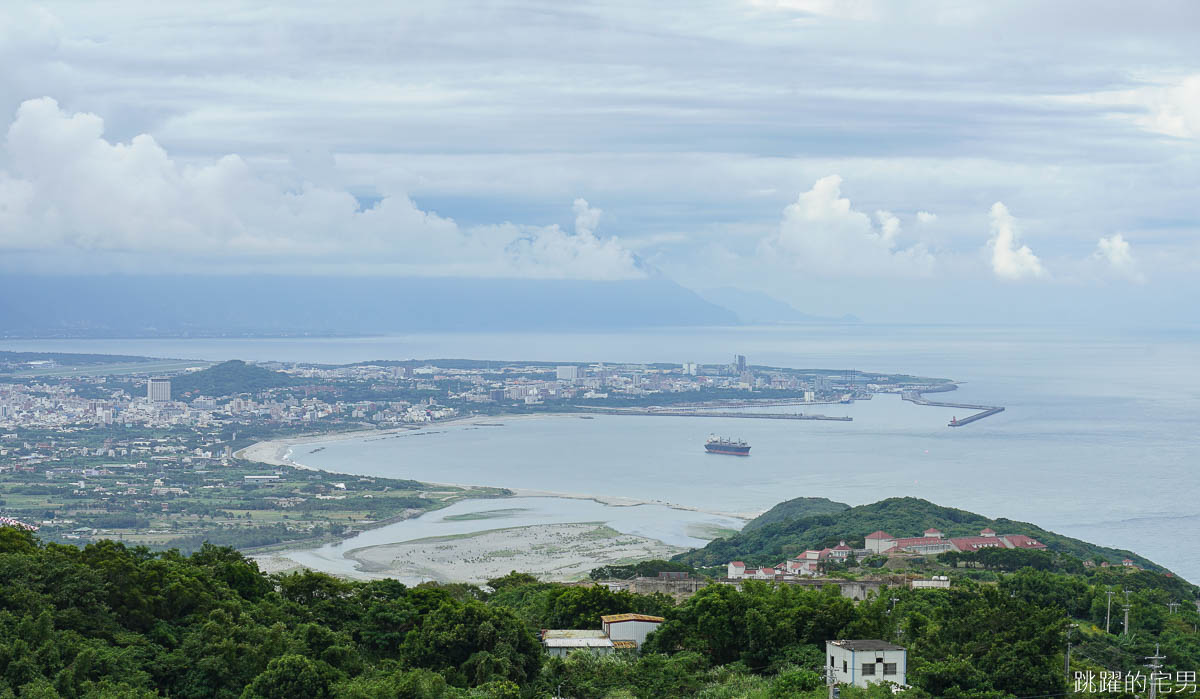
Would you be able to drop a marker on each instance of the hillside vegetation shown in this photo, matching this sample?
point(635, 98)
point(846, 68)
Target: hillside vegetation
point(231, 377)
point(794, 509)
point(771, 542)
point(109, 620)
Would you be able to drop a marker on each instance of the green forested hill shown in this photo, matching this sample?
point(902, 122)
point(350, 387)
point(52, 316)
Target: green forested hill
point(226, 378)
point(108, 620)
point(769, 543)
point(795, 508)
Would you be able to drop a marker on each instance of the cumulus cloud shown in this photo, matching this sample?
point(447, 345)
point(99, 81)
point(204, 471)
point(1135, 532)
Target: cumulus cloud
point(67, 190)
point(822, 233)
point(587, 218)
point(926, 217)
point(1115, 253)
point(1010, 259)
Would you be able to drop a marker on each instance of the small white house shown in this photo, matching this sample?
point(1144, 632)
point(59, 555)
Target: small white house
point(630, 627)
point(863, 662)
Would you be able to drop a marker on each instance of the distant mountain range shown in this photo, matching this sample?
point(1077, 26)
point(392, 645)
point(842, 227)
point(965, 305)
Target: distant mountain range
point(757, 308)
point(147, 306)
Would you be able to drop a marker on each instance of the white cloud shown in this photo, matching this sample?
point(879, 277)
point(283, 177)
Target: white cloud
point(1010, 259)
point(69, 190)
point(1169, 106)
point(926, 217)
point(822, 234)
point(1116, 253)
point(586, 217)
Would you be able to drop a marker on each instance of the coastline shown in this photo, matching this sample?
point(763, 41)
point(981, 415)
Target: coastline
point(574, 551)
point(275, 452)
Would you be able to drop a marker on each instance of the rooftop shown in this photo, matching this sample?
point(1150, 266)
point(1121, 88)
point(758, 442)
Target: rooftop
point(572, 634)
point(614, 618)
point(865, 644)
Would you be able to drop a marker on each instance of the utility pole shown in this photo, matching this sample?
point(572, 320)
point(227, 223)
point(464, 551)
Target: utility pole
point(1154, 666)
point(829, 675)
point(1108, 610)
point(1125, 629)
point(1067, 668)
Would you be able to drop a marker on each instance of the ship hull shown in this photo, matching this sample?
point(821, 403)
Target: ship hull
point(731, 451)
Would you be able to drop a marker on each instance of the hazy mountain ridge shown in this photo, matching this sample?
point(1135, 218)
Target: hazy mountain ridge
point(755, 307)
point(195, 306)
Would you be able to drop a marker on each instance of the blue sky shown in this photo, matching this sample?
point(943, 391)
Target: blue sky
point(888, 159)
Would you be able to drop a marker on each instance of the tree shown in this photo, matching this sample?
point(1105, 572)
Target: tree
point(293, 677)
point(472, 644)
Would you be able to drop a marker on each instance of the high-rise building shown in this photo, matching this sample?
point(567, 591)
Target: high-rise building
point(739, 363)
point(158, 390)
point(568, 373)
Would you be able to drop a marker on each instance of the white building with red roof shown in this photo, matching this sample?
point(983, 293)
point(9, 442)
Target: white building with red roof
point(879, 541)
point(970, 544)
point(927, 545)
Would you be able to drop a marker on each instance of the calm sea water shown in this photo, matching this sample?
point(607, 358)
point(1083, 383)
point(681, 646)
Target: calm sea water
point(1098, 440)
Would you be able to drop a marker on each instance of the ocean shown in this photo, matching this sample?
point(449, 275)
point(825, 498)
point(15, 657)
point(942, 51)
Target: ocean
point(1098, 440)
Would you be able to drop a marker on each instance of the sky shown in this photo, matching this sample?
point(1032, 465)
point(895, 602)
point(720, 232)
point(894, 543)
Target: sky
point(917, 160)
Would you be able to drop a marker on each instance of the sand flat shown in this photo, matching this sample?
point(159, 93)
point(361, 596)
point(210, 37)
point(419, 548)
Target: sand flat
point(557, 552)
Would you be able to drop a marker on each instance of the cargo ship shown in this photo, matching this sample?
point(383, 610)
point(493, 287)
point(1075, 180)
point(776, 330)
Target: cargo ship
point(720, 445)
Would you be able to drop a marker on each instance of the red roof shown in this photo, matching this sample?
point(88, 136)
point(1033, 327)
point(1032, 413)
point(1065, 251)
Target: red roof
point(988, 530)
point(739, 564)
point(841, 547)
point(931, 530)
point(971, 543)
point(879, 534)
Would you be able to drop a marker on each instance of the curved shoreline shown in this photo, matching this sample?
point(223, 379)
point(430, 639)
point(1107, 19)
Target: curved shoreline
point(277, 452)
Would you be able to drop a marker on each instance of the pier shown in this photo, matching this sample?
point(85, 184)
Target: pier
point(712, 413)
point(983, 410)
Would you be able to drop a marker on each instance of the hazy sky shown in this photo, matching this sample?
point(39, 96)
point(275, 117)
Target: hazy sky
point(890, 159)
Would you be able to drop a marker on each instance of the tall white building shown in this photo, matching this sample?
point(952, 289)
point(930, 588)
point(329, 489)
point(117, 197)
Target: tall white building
point(158, 390)
point(568, 373)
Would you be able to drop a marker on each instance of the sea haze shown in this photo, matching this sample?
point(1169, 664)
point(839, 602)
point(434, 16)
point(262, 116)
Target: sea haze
point(1098, 439)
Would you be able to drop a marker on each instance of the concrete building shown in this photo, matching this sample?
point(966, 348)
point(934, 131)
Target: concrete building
point(864, 662)
point(568, 373)
point(630, 627)
point(158, 390)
